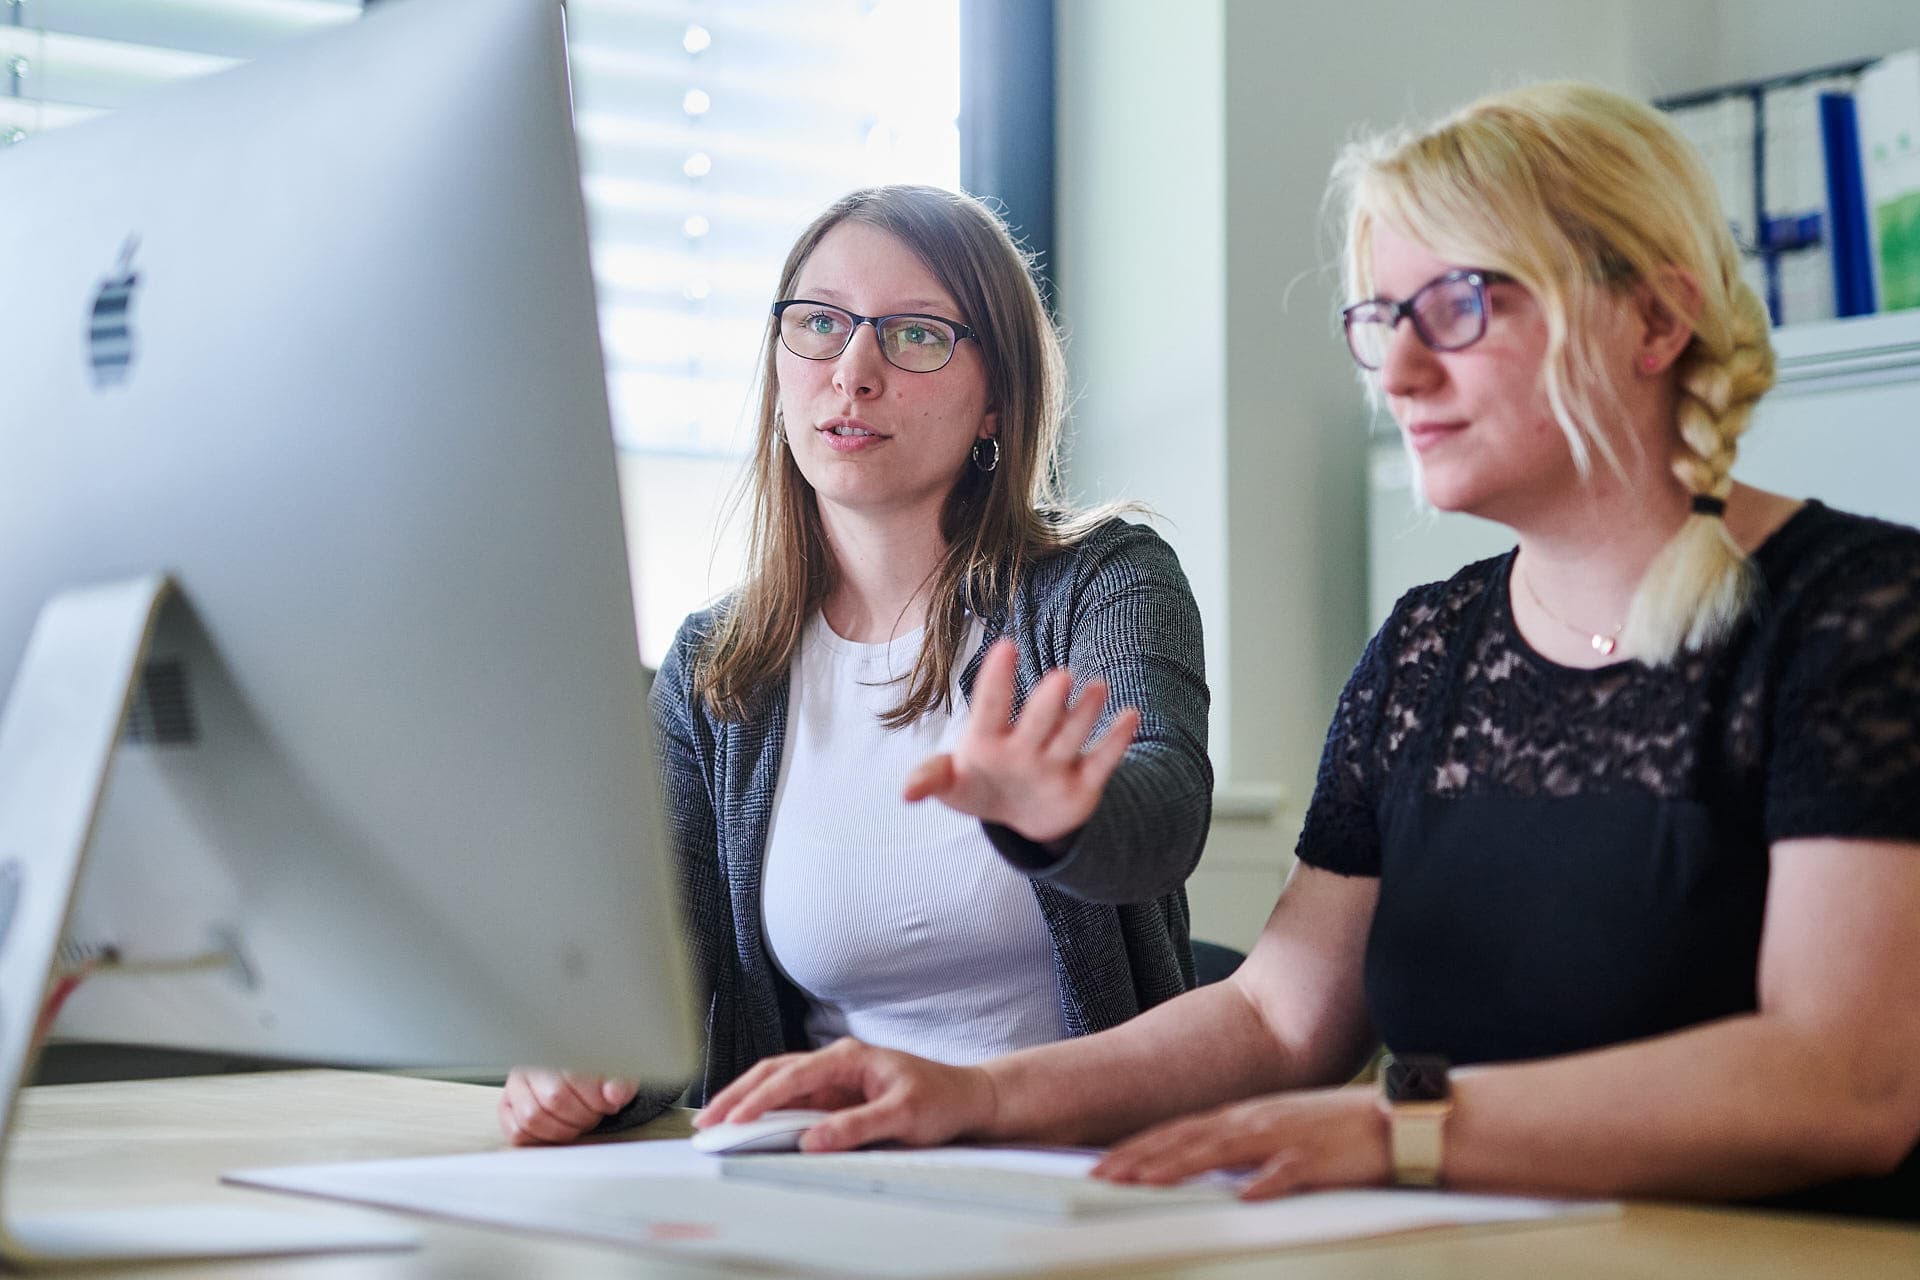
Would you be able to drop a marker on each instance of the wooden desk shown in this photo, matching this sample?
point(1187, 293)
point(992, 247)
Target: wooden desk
point(166, 1141)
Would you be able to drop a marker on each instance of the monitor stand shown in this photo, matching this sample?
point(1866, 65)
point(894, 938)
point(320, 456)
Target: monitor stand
point(61, 723)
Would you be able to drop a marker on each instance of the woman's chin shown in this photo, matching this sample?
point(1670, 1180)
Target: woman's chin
point(1451, 498)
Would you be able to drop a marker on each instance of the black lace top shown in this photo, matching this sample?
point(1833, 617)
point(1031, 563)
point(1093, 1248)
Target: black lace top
point(1807, 724)
point(1572, 858)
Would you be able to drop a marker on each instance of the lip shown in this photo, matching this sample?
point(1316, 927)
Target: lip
point(851, 443)
point(1425, 433)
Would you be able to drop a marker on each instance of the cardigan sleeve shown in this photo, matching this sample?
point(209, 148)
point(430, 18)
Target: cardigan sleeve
point(684, 738)
point(1129, 618)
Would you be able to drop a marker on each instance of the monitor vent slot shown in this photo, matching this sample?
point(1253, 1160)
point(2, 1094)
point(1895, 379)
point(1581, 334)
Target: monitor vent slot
point(162, 712)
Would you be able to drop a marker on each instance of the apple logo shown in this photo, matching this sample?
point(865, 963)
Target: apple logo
point(109, 329)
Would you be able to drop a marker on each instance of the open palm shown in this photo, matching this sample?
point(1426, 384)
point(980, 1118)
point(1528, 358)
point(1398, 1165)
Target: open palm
point(1037, 775)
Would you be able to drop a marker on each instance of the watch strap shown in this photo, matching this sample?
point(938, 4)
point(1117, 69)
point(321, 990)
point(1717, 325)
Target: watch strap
point(1415, 1132)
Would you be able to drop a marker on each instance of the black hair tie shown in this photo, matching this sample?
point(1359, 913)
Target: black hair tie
point(1707, 505)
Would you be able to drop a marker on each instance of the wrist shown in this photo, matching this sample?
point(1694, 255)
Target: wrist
point(1024, 851)
point(990, 1124)
point(1053, 839)
point(1047, 836)
point(1374, 1133)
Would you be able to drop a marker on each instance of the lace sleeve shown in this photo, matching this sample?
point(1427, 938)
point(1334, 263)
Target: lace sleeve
point(1341, 832)
point(1845, 727)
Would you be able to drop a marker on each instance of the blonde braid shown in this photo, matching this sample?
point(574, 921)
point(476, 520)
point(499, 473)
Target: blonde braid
point(1700, 585)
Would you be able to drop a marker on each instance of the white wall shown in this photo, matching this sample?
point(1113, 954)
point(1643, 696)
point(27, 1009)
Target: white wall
point(1677, 45)
point(1195, 273)
point(1140, 212)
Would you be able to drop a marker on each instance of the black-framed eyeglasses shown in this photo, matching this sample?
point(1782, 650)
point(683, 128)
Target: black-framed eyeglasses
point(1449, 313)
point(910, 341)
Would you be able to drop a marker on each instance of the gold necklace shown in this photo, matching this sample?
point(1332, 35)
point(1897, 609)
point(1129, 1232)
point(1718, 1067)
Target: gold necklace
point(1603, 642)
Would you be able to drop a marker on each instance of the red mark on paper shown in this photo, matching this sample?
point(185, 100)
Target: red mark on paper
point(682, 1231)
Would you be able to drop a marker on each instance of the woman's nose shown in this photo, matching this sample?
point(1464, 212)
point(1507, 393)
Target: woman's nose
point(859, 371)
point(1409, 365)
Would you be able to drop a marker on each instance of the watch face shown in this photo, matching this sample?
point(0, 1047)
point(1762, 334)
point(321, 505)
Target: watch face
point(1417, 1077)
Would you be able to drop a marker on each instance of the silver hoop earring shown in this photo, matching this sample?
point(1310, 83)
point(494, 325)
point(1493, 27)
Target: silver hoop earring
point(991, 462)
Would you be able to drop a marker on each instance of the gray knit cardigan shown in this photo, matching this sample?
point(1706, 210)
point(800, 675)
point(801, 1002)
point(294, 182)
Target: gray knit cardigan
point(1115, 605)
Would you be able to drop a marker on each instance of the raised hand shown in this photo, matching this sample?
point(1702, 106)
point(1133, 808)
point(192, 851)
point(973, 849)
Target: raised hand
point(1293, 1142)
point(540, 1106)
point(877, 1095)
point(1037, 775)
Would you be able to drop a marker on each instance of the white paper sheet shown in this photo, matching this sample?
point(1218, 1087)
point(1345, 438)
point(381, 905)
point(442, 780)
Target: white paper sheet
point(666, 1197)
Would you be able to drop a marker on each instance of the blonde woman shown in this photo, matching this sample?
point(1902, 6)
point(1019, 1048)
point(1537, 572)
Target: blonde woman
point(914, 579)
point(1616, 839)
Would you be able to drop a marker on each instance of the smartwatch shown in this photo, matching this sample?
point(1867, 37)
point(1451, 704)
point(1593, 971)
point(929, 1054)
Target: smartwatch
point(1416, 1099)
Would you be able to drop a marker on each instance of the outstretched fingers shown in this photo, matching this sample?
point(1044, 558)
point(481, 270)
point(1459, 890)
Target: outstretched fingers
point(1076, 725)
point(1103, 757)
point(992, 702)
point(1039, 775)
point(931, 777)
point(1044, 711)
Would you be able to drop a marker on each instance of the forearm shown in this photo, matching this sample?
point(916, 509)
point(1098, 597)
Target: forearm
point(1199, 1050)
point(1291, 1016)
point(1738, 1108)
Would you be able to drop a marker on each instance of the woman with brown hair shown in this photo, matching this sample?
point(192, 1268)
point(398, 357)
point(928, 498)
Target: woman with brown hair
point(922, 618)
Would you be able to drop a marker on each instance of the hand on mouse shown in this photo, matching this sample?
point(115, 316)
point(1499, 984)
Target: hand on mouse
point(540, 1106)
point(875, 1095)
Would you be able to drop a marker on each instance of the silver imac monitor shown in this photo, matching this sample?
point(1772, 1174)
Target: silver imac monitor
point(316, 628)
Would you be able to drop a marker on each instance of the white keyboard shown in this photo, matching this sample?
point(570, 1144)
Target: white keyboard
point(965, 1186)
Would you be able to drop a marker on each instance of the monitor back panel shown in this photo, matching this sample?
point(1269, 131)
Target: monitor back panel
point(317, 336)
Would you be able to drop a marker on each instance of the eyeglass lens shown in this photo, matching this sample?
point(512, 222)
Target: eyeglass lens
point(1447, 314)
point(918, 344)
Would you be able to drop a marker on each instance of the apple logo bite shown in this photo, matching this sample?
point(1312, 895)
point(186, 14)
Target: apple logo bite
point(110, 327)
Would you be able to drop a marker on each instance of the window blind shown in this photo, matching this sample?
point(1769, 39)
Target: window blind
point(710, 132)
point(64, 60)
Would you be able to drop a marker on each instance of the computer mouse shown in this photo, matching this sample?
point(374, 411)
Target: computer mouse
point(773, 1131)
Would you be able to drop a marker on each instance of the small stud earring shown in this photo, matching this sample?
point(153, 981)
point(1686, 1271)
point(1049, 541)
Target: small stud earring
point(1649, 364)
